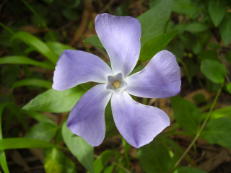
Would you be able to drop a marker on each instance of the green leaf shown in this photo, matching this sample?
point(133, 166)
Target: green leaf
point(20, 143)
point(151, 47)
point(109, 169)
point(102, 161)
point(157, 156)
point(217, 131)
point(93, 40)
point(57, 162)
point(154, 21)
point(188, 170)
point(79, 148)
point(37, 44)
point(195, 27)
point(228, 87)
point(37, 18)
point(3, 160)
point(54, 101)
point(57, 47)
point(222, 112)
point(24, 60)
point(32, 82)
point(158, 15)
point(40, 117)
point(213, 70)
point(186, 7)
point(42, 131)
point(216, 11)
point(187, 115)
point(225, 29)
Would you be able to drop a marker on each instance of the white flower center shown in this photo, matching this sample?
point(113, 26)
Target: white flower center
point(116, 83)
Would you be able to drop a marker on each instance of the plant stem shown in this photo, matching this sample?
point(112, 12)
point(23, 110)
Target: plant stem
point(200, 129)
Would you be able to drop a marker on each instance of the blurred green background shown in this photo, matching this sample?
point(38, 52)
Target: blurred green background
point(33, 134)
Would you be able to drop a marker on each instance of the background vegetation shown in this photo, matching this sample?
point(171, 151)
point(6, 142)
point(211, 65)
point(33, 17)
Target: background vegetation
point(33, 134)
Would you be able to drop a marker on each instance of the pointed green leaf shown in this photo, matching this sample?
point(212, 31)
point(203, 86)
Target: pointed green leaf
point(213, 70)
point(93, 40)
point(216, 11)
point(42, 131)
point(187, 7)
point(217, 131)
point(3, 160)
point(187, 115)
point(151, 47)
point(24, 60)
point(228, 87)
point(57, 162)
point(225, 29)
point(20, 143)
point(154, 21)
point(57, 47)
point(37, 44)
point(54, 101)
point(32, 82)
point(79, 148)
point(158, 156)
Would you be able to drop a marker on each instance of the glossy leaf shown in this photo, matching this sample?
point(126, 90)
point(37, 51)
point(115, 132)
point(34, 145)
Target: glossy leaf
point(93, 40)
point(24, 60)
point(157, 156)
point(187, 115)
point(57, 162)
point(195, 27)
point(3, 160)
point(102, 161)
point(57, 47)
point(221, 112)
point(218, 132)
point(213, 70)
point(79, 148)
point(32, 82)
point(225, 29)
point(40, 117)
point(37, 44)
point(151, 47)
point(154, 21)
point(20, 143)
point(42, 131)
point(216, 11)
point(186, 7)
point(54, 101)
point(228, 87)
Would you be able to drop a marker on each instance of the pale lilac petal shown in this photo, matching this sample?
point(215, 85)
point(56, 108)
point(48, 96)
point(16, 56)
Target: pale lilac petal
point(137, 123)
point(160, 78)
point(120, 35)
point(76, 67)
point(87, 117)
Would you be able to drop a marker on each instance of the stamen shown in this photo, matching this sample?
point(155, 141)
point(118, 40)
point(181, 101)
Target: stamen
point(116, 84)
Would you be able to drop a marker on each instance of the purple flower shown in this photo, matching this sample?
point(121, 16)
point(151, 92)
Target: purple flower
point(136, 122)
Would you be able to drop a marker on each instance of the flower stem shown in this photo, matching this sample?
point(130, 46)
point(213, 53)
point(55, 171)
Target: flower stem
point(200, 129)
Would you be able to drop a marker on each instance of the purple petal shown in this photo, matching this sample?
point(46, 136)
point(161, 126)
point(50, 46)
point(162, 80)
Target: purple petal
point(120, 36)
point(87, 117)
point(160, 78)
point(76, 67)
point(138, 124)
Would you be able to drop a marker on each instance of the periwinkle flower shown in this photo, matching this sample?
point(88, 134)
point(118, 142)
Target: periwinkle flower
point(139, 124)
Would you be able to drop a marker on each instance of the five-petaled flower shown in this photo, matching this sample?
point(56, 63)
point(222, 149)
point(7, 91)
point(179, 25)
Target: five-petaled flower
point(137, 123)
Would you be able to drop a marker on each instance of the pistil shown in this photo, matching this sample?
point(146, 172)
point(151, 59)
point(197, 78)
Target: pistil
point(116, 84)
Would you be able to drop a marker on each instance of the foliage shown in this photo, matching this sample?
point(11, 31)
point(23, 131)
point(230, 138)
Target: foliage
point(32, 115)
